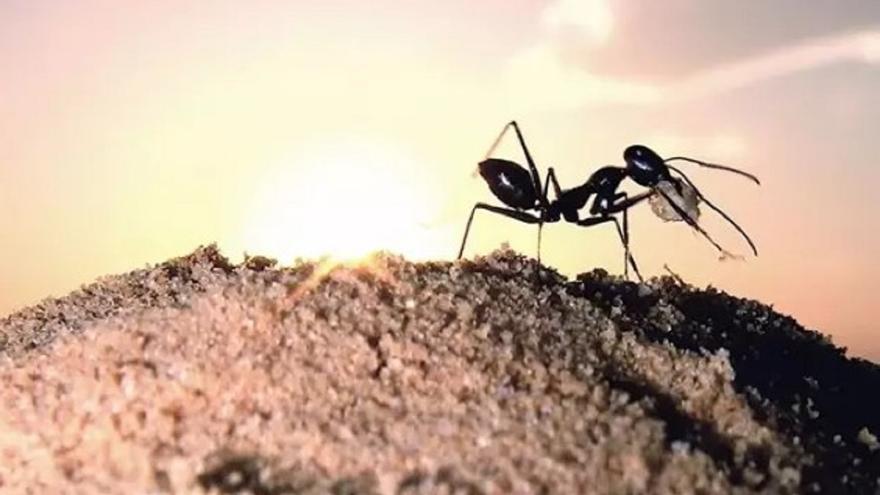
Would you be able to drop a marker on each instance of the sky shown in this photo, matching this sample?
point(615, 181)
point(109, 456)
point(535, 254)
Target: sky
point(131, 132)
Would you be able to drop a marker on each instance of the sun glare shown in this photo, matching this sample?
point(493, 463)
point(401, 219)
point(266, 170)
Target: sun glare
point(344, 200)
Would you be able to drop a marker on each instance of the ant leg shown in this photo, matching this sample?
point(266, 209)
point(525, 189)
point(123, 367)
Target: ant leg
point(693, 223)
point(514, 214)
point(497, 141)
point(591, 221)
point(623, 206)
point(626, 203)
point(623, 233)
point(536, 180)
point(718, 210)
point(628, 257)
point(533, 169)
point(624, 237)
point(551, 177)
point(540, 229)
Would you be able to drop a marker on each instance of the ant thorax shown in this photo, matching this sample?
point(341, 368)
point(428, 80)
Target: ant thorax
point(684, 196)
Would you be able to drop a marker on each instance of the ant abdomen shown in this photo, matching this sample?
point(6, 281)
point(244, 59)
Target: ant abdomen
point(509, 182)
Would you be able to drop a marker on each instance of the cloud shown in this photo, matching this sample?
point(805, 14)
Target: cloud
point(859, 47)
point(591, 18)
point(540, 77)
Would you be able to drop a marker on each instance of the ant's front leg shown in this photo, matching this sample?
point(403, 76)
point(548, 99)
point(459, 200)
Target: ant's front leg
point(621, 202)
point(714, 207)
point(521, 216)
point(694, 225)
point(624, 239)
point(626, 203)
point(628, 258)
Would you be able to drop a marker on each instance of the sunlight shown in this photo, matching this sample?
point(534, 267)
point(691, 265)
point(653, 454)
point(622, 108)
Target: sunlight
point(344, 200)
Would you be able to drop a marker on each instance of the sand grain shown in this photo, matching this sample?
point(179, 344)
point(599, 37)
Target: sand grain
point(492, 376)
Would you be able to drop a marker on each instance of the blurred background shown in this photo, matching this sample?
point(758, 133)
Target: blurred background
point(131, 132)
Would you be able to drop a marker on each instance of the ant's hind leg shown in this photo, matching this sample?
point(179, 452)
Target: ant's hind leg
point(533, 169)
point(507, 212)
point(497, 141)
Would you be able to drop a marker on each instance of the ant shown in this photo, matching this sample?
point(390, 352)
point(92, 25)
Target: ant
point(522, 191)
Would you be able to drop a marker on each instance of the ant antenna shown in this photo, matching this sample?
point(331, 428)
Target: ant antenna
point(693, 223)
point(717, 209)
point(715, 166)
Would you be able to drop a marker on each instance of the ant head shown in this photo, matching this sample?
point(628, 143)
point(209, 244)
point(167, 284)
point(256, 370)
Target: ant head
point(644, 166)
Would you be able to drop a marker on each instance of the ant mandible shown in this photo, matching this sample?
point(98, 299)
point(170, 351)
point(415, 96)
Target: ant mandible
point(522, 191)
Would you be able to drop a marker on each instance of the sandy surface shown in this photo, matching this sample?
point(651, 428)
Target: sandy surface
point(483, 377)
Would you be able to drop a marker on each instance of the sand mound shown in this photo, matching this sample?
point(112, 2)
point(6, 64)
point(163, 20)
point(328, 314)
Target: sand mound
point(493, 376)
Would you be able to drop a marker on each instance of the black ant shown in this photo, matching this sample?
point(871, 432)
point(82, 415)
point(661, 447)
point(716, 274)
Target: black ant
point(522, 192)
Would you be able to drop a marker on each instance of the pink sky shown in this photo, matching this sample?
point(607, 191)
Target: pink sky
point(131, 132)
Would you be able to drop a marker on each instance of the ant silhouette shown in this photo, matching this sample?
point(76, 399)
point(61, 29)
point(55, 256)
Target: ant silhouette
point(522, 191)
